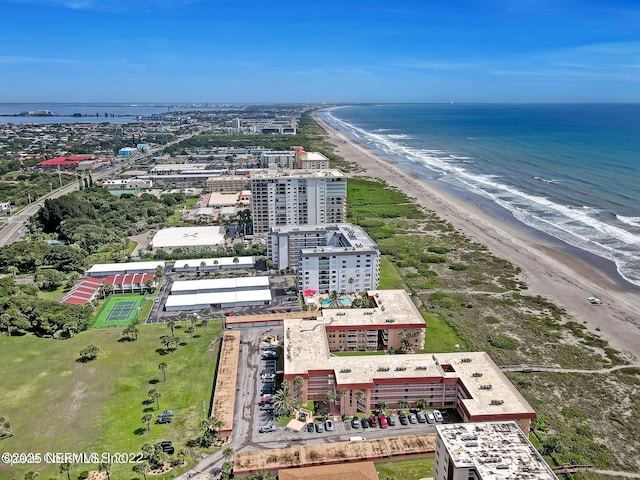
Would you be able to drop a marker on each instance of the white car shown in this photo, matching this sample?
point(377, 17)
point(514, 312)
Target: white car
point(438, 416)
point(267, 428)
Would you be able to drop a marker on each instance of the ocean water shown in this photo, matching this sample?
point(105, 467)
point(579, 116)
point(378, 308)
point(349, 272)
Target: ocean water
point(569, 171)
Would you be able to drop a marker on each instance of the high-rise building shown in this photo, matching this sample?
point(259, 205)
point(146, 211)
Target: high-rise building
point(297, 197)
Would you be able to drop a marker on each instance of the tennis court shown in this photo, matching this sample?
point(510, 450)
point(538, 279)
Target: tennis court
point(120, 311)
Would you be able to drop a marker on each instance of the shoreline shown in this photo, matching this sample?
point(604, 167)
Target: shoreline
point(547, 268)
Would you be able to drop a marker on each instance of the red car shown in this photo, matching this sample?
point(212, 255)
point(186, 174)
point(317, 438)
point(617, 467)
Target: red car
point(383, 421)
point(228, 314)
point(373, 421)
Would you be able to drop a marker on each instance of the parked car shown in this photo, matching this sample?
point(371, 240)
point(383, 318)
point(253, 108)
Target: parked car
point(391, 419)
point(167, 447)
point(267, 375)
point(431, 418)
point(267, 428)
point(268, 370)
point(355, 422)
point(310, 427)
point(268, 355)
point(162, 420)
point(421, 417)
point(412, 418)
point(266, 400)
point(373, 421)
point(302, 417)
point(269, 380)
point(382, 420)
point(364, 422)
point(267, 408)
point(403, 419)
point(319, 427)
point(268, 389)
point(229, 314)
point(438, 416)
point(166, 413)
point(328, 425)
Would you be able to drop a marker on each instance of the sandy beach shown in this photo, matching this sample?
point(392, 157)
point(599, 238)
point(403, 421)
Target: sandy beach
point(549, 272)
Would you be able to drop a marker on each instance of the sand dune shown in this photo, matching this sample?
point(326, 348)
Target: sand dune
point(549, 272)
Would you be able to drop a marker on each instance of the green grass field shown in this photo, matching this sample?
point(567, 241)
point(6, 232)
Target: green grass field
point(119, 303)
point(390, 279)
point(406, 469)
point(440, 338)
point(57, 404)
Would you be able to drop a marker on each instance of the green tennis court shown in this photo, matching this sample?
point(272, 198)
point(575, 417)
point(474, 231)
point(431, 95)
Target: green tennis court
point(119, 311)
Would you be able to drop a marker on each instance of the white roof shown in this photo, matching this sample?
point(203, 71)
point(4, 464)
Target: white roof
point(221, 261)
point(188, 237)
point(123, 267)
point(220, 283)
point(218, 298)
point(497, 450)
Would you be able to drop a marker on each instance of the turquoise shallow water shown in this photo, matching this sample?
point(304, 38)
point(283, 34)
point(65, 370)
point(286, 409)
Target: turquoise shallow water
point(569, 171)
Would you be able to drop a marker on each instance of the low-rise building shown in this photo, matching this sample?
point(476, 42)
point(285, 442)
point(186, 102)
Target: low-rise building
point(189, 238)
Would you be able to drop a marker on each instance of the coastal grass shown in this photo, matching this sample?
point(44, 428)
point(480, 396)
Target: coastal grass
point(390, 279)
point(440, 337)
point(406, 469)
point(56, 403)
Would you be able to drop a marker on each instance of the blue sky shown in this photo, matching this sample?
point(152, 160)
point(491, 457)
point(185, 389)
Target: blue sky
point(319, 51)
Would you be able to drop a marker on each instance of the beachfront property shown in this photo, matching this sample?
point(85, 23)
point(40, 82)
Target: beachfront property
point(191, 238)
point(469, 382)
point(340, 257)
point(392, 322)
point(311, 160)
point(488, 451)
point(219, 293)
point(297, 197)
point(228, 183)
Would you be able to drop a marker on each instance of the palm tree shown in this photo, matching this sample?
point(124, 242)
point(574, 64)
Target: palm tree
point(166, 341)
point(404, 404)
point(406, 337)
point(205, 323)
point(381, 406)
point(331, 399)
point(359, 394)
point(351, 280)
point(13, 270)
point(194, 322)
point(146, 418)
point(141, 468)
point(183, 316)
point(172, 325)
point(163, 368)
point(203, 264)
point(236, 260)
point(155, 396)
point(190, 331)
point(66, 468)
point(343, 401)
point(421, 404)
point(298, 382)
point(105, 467)
point(228, 454)
point(284, 401)
point(334, 298)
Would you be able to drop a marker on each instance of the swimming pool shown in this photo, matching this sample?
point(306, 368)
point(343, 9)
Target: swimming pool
point(341, 301)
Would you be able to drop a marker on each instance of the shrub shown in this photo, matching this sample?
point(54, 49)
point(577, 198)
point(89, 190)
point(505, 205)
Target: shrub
point(504, 342)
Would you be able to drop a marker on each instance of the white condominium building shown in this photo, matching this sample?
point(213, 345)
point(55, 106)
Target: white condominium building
point(339, 257)
point(297, 197)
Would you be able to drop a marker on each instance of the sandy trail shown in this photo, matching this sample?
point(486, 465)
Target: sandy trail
point(549, 272)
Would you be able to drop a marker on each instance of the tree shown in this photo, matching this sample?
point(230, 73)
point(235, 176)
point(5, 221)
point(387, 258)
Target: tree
point(334, 298)
point(343, 400)
point(106, 468)
point(141, 468)
point(182, 454)
point(404, 404)
point(190, 331)
point(381, 406)
point(155, 396)
point(163, 368)
point(146, 418)
point(183, 316)
point(406, 336)
point(66, 468)
point(421, 404)
point(205, 323)
point(166, 341)
point(49, 279)
point(359, 394)
point(13, 270)
point(172, 325)
point(89, 353)
point(331, 398)
point(284, 401)
point(236, 260)
point(298, 382)
point(5, 322)
point(228, 453)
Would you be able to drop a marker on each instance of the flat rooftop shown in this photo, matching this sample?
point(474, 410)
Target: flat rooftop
point(222, 298)
point(394, 310)
point(333, 452)
point(224, 399)
point(188, 237)
point(221, 199)
point(291, 173)
point(220, 262)
point(497, 450)
point(306, 349)
point(258, 282)
point(124, 267)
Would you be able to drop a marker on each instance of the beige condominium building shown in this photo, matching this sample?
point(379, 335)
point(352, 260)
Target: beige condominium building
point(297, 197)
point(487, 451)
point(469, 382)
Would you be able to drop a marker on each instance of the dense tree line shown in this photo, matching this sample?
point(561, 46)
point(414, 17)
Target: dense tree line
point(93, 217)
point(22, 311)
point(212, 140)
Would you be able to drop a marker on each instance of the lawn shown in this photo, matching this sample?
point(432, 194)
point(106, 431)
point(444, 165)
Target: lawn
point(57, 404)
point(439, 338)
point(406, 469)
point(390, 279)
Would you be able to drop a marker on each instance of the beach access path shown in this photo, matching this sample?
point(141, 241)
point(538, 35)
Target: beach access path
point(548, 272)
